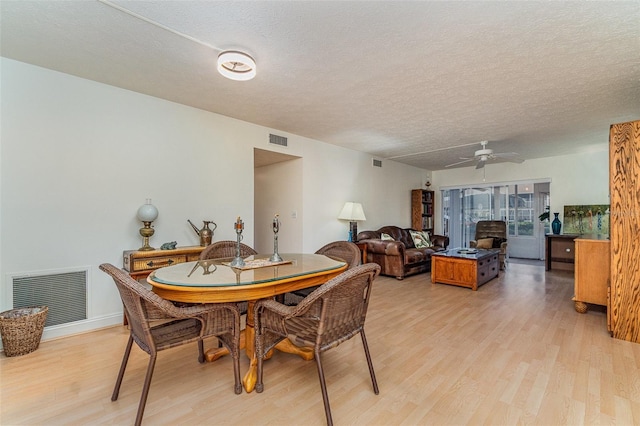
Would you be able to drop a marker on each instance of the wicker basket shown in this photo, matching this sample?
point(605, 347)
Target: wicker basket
point(21, 329)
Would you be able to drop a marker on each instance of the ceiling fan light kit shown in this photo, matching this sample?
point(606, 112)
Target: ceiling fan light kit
point(236, 65)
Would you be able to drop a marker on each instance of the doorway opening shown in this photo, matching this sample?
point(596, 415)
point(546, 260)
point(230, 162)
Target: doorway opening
point(277, 191)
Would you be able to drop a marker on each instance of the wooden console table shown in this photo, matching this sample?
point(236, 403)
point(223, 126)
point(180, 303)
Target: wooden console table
point(560, 252)
point(139, 264)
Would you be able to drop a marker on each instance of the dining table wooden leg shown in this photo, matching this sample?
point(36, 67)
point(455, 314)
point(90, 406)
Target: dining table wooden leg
point(250, 378)
point(290, 348)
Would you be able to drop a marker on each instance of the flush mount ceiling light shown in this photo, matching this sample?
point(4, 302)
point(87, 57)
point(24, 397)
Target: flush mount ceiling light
point(236, 65)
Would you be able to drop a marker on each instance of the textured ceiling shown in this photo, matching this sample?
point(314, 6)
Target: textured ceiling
point(419, 82)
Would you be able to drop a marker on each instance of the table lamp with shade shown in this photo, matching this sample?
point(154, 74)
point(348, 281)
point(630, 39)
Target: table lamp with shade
point(353, 213)
point(147, 213)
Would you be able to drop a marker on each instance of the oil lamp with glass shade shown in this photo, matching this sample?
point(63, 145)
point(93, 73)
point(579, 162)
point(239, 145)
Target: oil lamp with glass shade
point(147, 213)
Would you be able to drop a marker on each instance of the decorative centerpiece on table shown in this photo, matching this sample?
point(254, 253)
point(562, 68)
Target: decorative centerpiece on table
point(275, 257)
point(237, 261)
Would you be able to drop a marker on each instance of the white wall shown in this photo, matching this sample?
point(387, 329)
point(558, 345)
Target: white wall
point(582, 178)
point(78, 158)
point(331, 180)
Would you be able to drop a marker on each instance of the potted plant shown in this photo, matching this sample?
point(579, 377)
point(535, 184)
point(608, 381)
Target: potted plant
point(544, 216)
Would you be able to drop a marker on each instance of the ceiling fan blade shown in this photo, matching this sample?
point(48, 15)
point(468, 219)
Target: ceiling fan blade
point(465, 160)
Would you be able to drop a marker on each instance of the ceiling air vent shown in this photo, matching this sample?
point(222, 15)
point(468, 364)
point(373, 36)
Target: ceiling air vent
point(277, 140)
point(377, 163)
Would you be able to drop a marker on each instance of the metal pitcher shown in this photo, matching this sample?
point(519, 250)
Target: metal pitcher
point(206, 233)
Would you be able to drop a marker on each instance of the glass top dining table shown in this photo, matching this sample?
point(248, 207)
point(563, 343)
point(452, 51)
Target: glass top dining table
point(213, 280)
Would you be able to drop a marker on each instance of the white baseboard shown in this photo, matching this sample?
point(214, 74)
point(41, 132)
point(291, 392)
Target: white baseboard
point(78, 327)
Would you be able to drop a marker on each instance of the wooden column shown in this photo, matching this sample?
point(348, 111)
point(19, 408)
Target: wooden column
point(624, 182)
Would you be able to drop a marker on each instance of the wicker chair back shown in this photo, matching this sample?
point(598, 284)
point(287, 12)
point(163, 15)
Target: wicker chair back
point(343, 250)
point(222, 249)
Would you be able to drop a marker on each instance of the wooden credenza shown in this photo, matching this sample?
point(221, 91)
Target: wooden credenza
point(592, 272)
point(139, 264)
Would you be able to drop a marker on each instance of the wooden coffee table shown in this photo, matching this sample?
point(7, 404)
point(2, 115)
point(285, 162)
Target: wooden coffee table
point(464, 267)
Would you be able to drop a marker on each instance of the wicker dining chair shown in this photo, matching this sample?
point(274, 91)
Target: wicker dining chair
point(330, 315)
point(223, 249)
point(182, 324)
point(344, 250)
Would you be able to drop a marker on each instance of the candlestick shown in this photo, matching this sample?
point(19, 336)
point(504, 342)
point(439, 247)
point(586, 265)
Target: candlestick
point(275, 257)
point(237, 261)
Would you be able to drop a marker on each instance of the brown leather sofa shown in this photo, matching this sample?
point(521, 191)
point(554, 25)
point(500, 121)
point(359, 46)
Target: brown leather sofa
point(400, 258)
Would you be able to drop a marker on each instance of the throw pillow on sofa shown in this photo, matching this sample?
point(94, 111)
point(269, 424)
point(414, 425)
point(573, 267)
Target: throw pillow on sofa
point(425, 234)
point(386, 237)
point(484, 243)
point(419, 239)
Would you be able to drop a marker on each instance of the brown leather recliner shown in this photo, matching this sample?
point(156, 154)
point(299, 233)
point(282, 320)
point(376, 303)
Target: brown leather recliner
point(496, 229)
point(400, 258)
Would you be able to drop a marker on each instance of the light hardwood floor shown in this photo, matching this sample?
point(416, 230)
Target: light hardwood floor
point(514, 352)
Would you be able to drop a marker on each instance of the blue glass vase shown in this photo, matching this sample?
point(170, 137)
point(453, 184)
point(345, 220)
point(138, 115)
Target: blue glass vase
point(556, 225)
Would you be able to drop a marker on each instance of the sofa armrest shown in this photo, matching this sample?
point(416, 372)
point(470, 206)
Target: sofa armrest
point(388, 248)
point(440, 241)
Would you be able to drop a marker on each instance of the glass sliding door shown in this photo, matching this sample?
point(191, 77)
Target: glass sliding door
point(518, 204)
point(452, 223)
point(477, 205)
point(521, 210)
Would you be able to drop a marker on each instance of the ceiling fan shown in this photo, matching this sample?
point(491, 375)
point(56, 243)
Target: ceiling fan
point(485, 154)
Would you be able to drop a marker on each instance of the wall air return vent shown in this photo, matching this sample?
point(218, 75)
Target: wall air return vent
point(377, 163)
point(277, 140)
point(64, 293)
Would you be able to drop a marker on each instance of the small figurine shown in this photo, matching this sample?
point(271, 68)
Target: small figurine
point(169, 246)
